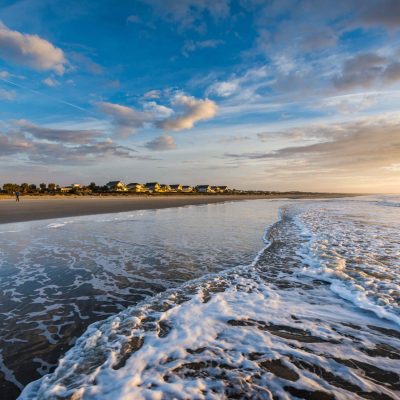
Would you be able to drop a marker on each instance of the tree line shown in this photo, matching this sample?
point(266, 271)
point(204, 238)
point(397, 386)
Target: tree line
point(11, 188)
point(26, 188)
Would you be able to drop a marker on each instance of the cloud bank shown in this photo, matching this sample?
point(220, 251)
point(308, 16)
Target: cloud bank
point(43, 145)
point(368, 144)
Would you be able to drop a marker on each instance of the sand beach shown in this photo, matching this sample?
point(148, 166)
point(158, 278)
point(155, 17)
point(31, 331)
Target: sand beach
point(32, 208)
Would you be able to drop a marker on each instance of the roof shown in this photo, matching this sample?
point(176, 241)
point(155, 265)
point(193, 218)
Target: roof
point(152, 183)
point(134, 184)
point(175, 186)
point(203, 186)
point(112, 183)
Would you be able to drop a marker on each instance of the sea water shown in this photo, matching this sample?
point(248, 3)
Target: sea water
point(59, 276)
point(315, 315)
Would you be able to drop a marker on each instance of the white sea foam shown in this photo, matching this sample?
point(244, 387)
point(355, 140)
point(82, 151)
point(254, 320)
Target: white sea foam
point(355, 246)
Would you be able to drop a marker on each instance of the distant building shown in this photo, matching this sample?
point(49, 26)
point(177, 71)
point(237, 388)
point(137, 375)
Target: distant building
point(164, 188)
point(117, 186)
point(65, 189)
point(204, 189)
point(223, 189)
point(137, 187)
point(76, 186)
point(187, 189)
point(153, 186)
point(176, 188)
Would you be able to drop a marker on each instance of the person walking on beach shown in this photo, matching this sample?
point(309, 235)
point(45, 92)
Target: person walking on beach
point(17, 193)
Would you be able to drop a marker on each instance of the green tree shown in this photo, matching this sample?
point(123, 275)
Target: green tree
point(51, 187)
point(10, 188)
point(42, 187)
point(32, 188)
point(24, 187)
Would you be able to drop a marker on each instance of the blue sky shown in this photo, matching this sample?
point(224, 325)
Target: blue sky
point(274, 95)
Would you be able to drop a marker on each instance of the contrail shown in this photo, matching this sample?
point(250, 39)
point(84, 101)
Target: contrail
point(45, 95)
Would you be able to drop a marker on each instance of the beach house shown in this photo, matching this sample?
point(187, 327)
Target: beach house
point(153, 186)
point(176, 188)
point(204, 189)
point(137, 187)
point(164, 188)
point(73, 186)
point(117, 186)
point(187, 189)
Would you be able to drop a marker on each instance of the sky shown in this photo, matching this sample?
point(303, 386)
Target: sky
point(254, 94)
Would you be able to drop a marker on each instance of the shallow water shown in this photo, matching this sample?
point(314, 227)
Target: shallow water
point(314, 316)
point(59, 276)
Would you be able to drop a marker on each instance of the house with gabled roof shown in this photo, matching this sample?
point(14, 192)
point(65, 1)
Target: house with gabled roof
point(204, 189)
point(176, 188)
point(187, 188)
point(117, 186)
point(137, 187)
point(164, 188)
point(153, 186)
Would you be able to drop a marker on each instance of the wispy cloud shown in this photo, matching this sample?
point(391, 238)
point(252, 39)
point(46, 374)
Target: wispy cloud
point(8, 95)
point(363, 70)
point(353, 147)
point(161, 143)
point(51, 82)
point(189, 13)
point(191, 46)
point(58, 135)
point(46, 145)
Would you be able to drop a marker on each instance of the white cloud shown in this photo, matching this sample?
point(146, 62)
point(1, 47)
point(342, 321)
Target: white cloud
point(31, 51)
point(161, 143)
point(7, 94)
point(189, 13)
point(192, 111)
point(158, 111)
point(184, 112)
point(51, 82)
point(191, 45)
point(134, 19)
point(152, 94)
point(224, 88)
point(126, 119)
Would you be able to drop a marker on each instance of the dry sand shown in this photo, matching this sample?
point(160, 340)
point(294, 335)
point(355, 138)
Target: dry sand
point(34, 208)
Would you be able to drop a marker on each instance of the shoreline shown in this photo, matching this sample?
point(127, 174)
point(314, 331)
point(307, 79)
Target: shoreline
point(32, 208)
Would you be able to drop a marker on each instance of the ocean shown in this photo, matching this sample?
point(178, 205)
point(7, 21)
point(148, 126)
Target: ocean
point(249, 300)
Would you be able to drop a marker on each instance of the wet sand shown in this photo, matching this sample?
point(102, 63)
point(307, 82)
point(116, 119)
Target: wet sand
point(32, 208)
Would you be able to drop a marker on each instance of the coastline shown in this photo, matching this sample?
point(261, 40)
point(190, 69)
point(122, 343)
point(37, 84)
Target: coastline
point(32, 208)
